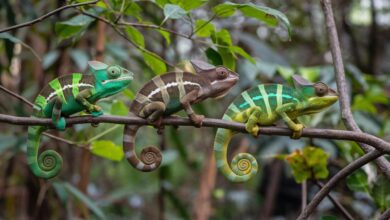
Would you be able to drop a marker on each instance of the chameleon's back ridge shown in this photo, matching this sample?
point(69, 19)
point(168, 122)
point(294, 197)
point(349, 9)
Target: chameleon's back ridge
point(263, 105)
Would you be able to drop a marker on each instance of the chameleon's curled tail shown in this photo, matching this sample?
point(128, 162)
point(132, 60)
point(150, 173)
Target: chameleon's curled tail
point(150, 156)
point(243, 165)
point(49, 162)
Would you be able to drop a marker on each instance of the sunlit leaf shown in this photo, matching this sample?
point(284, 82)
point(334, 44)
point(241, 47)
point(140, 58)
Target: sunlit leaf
point(155, 63)
point(204, 28)
point(310, 163)
point(242, 52)
point(107, 149)
point(358, 181)
point(135, 35)
point(166, 35)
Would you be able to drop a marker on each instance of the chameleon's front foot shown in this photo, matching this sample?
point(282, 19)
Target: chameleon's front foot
point(60, 124)
point(297, 131)
point(197, 120)
point(254, 130)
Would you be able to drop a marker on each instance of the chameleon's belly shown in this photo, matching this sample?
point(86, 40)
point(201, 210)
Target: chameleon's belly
point(173, 106)
point(70, 107)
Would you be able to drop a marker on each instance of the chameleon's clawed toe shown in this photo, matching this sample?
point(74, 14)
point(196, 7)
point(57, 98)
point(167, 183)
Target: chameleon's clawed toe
point(197, 120)
point(297, 133)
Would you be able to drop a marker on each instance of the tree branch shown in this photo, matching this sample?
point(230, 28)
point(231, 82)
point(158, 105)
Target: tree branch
point(379, 144)
point(346, 113)
point(350, 168)
point(385, 215)
point(43, 17)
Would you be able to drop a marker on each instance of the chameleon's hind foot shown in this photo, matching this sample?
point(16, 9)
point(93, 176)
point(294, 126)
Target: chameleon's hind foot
point(95, 110)
point(60, 124)
point(297, 131)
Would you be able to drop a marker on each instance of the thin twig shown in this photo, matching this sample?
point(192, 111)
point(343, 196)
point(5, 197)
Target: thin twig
point(304, 195)
point(21, 98)
point(336, 203)
point(43, 17)
point(346, 113)
point(350, 168)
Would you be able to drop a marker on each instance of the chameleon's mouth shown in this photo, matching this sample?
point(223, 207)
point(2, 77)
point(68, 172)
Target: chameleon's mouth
point(126, 78)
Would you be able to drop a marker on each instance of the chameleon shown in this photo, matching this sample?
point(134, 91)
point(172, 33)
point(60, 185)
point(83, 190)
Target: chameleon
point(171, 92)
point(65, 96)
point(264, 105)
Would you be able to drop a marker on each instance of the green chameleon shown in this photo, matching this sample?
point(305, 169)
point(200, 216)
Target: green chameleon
point(169, 93)
point(65, 96)
point(263, 106)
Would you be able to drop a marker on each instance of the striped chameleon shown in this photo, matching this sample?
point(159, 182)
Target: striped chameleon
point(65, 96)
point(169, 93)
point(263, 106)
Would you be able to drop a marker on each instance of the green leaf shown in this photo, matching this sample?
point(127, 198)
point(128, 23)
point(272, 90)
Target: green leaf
point(242, 52)
point(166, 35)
point(204, 28)
point(363, 104)
point(129, 94)
point(15, 40)
point(155, 62)
point(214, 56)
point(312, 162)
point(358, 181)
point(185, 4)
point(50, 58)
point(107, 149)
point(267, 15)
point(135, 36)
point(80, 57)
point(119, 108)
point(227, 58)
point(285, 72)
point(222, 38)
point(87, 201)
point(72, 27)
point(173, 12)
point(381, 193)
point(329, 217)
point(133, 9)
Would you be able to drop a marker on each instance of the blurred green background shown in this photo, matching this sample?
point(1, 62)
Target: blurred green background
point(264, 41)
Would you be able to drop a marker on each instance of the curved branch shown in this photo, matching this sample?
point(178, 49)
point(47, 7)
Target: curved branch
point(346, 113)
point(379, 144)
point(43, 17)
point(350, 168)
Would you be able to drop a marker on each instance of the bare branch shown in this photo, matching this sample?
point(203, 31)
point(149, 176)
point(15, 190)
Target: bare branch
point(43, 17)
point(346, 113)
point(350, 168)
point(379, 144)
point(336, 203)
point(385, 215)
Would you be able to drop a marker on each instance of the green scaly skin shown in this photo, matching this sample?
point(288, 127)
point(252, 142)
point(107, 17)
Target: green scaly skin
point(65, 96)
point(263, 105)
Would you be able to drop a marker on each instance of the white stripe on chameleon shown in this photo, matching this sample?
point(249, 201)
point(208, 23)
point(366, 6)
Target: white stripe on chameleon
point(171, 84)
point(161, 85)
point(129, 154)
point(234, 108)
point(279, 97)
point(179, 80)
point(248, 99)
point(140, 166)
point(68, 87)
point(128, 138)
point(265, 99)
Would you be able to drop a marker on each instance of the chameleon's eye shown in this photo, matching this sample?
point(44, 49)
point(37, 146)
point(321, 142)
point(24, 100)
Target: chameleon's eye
point(114, 71)
point(221, 73)
point(321, 89)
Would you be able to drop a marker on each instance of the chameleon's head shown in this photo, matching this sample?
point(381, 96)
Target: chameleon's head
point(110, 79)
point(317, 95)
point(221, 78)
